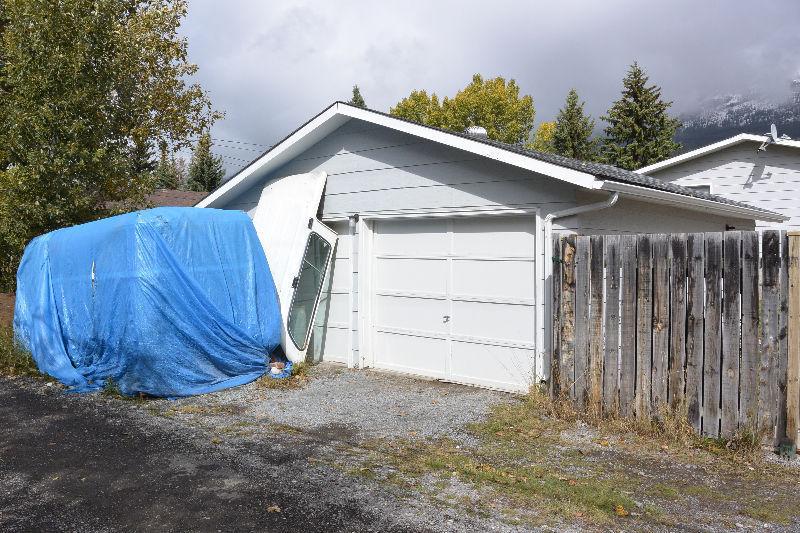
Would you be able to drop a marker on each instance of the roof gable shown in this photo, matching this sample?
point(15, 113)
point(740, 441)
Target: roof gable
point(715, 147)
point(587, 175)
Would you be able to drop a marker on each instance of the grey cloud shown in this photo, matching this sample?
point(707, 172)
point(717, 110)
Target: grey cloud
point(273, 65)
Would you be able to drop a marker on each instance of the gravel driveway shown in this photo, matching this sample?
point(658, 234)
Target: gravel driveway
point(358, 451)
point(365, 404)
point(244, 459)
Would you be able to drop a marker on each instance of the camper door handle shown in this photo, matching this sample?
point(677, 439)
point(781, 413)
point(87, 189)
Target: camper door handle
point(446, 319)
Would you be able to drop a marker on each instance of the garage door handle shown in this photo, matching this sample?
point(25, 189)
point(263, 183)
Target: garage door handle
point(446, 319)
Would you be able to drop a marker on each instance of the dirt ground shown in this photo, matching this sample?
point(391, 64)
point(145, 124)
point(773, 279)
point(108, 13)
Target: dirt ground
point(344, 450)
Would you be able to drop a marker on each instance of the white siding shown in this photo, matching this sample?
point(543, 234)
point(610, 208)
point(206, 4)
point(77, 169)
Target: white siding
point(635, 216)
point(769, 179)
point(377, 170)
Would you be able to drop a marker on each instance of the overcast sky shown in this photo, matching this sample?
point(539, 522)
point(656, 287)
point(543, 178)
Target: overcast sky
point(272, 65)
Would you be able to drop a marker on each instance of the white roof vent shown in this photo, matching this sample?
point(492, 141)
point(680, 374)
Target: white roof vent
point(477, 131)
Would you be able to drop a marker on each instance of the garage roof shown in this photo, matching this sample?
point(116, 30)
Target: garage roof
point(588, 175)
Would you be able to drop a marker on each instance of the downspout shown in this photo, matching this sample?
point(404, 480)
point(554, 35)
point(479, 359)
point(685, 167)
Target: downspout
point(543, 374)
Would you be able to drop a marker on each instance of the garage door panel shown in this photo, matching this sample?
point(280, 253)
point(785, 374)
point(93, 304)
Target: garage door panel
point(417, 237)
point(411, 275)
point(406, 353)
point(410, 313)
point(492, 366)
point(494, 321)
point(500, 279)
point(494, 236)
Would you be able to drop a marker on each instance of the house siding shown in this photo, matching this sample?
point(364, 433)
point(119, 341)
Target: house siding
point(768, 179)
point(374, 170)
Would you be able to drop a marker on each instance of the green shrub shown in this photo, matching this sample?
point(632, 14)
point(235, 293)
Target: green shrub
point(14, 359)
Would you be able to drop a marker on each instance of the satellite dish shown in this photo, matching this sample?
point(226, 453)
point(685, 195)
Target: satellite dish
point(772, 137)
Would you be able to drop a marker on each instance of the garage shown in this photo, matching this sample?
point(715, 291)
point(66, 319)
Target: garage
point(443, 262)
point(454, 298)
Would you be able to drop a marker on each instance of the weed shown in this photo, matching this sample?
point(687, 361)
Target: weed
point(14, 359)
point(111, 390)
point(670, 427)
point(298, 379)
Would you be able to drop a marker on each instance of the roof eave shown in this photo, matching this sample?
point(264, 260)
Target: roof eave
point(692, 202)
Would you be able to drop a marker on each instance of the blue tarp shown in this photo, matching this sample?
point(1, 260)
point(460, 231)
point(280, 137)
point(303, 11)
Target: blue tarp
point(167, 302)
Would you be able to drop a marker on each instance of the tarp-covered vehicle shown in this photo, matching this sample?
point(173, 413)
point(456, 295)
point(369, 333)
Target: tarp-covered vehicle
point(167, 302)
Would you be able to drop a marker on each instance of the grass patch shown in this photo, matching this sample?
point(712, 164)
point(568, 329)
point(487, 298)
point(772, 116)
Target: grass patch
point(14, 359)
point(669, 429)
point(767, 512)
point(542, 486)
point(298, 379)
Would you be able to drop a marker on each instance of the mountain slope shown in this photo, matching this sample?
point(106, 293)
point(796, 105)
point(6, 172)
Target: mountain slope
point(729, 115)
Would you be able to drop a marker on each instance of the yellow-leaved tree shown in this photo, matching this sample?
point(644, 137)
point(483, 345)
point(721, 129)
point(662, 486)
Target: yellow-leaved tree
point(494, 104)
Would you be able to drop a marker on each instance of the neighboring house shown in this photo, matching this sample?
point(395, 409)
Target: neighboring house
point(174, 198)
point(736, 169)
point(444, 254)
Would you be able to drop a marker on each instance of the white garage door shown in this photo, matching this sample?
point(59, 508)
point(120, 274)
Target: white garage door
point(454, 299)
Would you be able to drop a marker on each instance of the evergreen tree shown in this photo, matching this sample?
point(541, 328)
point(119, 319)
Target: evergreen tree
point(141, 158)
point(639, 131)
point(205, 170)
point(543, 139)
point(166, 172)
point(572, 136)
point(357, 100)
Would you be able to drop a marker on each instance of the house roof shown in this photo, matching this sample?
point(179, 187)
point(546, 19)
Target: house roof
point(587, 175)
point(716, 147)
point(174, 198)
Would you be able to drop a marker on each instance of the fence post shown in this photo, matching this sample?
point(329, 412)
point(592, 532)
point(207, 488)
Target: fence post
point(793, 362)
point(555, 347)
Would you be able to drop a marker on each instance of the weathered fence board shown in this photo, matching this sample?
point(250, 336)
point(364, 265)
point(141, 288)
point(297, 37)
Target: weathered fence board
point(555, 357)
point(612, 319)
point(793, 360)
point(701, 323)
point(677, 322)
point(771, 295)
point(712, 349)
point(582, 276)
point(627, 351)
point(695, 291)
point(783, 348)
point(659, 370)
point(731, 331)
point(567, 320)
point(748, 392)
point(644, 321)
point(595, 381)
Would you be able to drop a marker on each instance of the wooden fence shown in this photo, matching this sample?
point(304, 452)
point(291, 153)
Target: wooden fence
point(702, 322)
